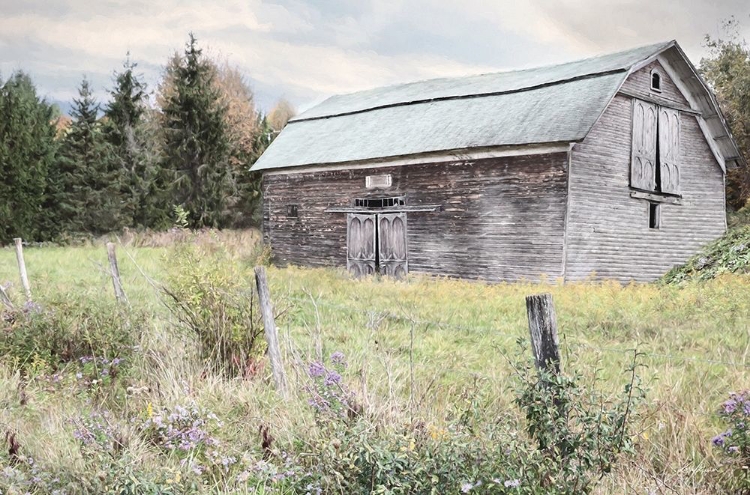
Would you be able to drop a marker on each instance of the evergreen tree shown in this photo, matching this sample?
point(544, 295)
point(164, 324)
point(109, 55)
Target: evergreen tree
point(27, 149)
point(133, 138)
point(87, 184)
point(196, 144)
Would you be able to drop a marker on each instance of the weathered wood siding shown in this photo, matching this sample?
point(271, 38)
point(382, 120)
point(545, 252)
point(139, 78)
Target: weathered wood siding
point(608, 231)
point(502, 218)
point(639, 83)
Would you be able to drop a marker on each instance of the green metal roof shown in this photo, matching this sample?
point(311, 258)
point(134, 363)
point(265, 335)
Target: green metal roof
point(559, 103)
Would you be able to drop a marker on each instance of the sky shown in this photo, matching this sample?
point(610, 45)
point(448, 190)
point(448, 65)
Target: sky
point(307, 50)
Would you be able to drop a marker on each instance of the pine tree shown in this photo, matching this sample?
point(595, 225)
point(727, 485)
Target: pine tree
point(27, 149)
point(127, 128)
point(196, 144)
point(87, 183)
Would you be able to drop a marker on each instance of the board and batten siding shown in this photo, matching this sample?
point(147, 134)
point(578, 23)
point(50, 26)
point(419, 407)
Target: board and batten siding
point(608, 232)
point(501, 218)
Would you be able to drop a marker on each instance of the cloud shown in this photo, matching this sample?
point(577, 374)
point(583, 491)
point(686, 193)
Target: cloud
point(308, 49)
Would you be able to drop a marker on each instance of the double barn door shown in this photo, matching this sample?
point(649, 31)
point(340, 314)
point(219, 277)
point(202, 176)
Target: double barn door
point(377, 243)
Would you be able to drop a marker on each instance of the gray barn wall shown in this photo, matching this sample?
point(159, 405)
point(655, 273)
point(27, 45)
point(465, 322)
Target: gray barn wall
point(502, 218)
point(607, 230)
point(639, 83)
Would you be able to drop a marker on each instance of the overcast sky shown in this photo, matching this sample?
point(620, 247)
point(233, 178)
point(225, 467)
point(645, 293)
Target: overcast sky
point(307, 50)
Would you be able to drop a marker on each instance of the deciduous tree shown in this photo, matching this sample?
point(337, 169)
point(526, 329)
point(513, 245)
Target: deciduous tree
point(727, 70)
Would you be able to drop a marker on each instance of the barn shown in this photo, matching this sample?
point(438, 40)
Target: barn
point(612, 167)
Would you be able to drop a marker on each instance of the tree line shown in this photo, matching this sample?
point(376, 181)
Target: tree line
point(182, 157)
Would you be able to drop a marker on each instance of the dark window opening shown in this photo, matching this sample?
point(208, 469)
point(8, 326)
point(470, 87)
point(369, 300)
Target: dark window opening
point(291, 211)
point(653, 215)
point(655, 81)
point(378, 202)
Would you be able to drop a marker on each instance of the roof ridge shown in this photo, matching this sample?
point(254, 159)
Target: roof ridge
point(650, 48)
point(464, 97)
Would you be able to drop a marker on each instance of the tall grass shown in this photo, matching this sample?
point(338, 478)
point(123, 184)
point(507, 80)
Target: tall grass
point(423, 350)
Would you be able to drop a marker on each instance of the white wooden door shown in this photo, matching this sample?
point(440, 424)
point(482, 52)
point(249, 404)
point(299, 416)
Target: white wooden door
point(643, 158)
point(360, 244)
point(393, 256)
point(669, 150)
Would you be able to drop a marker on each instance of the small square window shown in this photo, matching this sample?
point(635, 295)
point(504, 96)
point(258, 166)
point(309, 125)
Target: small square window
point(654, 215)
point(291, 211)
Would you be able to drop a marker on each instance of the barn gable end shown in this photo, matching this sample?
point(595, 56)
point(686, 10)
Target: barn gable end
point(610, 230)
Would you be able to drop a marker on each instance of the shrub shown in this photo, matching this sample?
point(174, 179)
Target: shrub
point(578, 433)
point(211, 300)
point(571, 437)
point(65, 331)
point(730, 253)
point(734, 442)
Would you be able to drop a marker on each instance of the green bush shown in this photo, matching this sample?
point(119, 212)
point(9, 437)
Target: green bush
point(212, 301)
point(58, 332)
point(571, 437)
point(730, 253)
point(734, 442)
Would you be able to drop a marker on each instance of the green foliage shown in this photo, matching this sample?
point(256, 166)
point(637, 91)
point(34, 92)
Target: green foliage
point(575, 437)
point(212, 301)
point(730, 253)
point(196, 145)
point(86, 184)
point(727, 70)
point(734, 443)
point(128, 128)
point(578, 433)
point(66, 331)
point(27, 151)
point(740, 217)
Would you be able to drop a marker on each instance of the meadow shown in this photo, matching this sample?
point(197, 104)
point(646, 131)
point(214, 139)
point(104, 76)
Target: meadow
point(101, 398)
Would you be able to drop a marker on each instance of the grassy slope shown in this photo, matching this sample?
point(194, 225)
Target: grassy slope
point(473, 327)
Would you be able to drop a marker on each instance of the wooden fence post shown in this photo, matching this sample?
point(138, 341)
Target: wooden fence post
point(22, 268)
point(269, 325)
point(115, 271)
point(4, 298)
point(543, 330)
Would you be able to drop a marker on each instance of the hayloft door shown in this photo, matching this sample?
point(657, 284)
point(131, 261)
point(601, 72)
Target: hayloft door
point(392, 248)
point(360, 244)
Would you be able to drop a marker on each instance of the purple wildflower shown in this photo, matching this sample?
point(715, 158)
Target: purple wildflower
point(729, 406)
point(316, 370)
point(718, 440)
point(338, 358)
point(332, 378)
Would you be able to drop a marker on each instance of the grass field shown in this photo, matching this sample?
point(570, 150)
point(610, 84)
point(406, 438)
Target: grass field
point(421, 350)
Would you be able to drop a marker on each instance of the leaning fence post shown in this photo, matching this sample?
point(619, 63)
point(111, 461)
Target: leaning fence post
point(269, 325)
point(4, 298)
point(115, 271)
point(543, 330)
point(22, 268)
